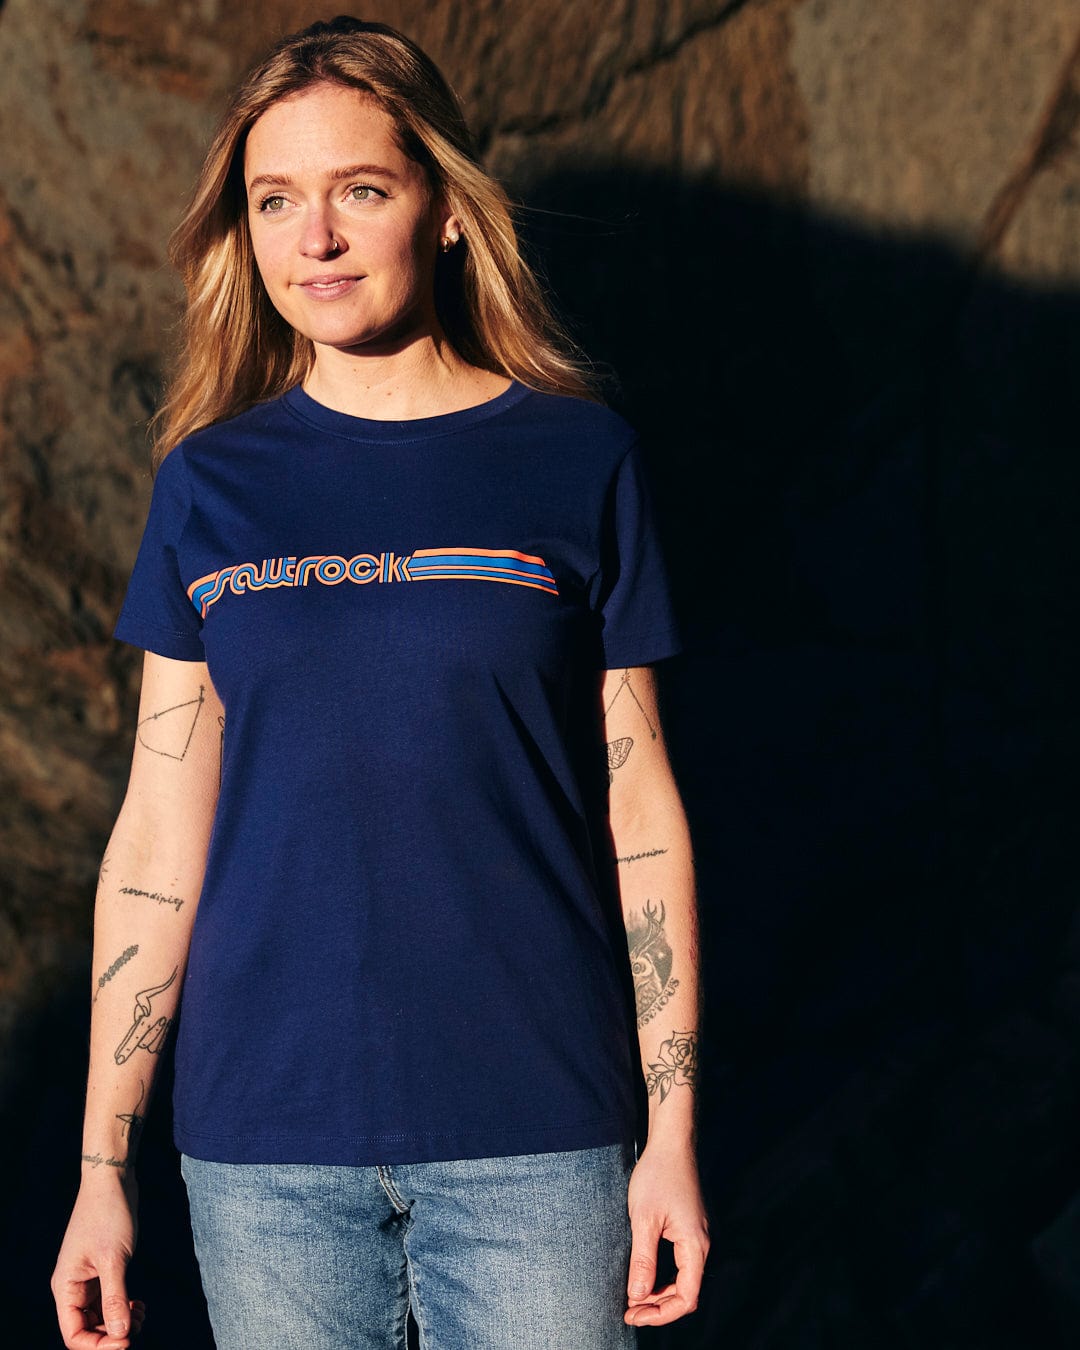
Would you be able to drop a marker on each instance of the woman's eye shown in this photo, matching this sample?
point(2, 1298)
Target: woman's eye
point(363, 193)
point(271, 204)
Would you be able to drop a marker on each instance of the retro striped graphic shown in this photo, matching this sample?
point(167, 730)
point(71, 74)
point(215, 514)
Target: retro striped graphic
point(481, 564)
point(426, 564)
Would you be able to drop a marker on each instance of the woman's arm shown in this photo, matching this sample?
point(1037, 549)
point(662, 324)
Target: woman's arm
point(147, 893)
point(652, 855)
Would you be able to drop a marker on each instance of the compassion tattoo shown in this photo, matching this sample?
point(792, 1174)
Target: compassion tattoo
point(637, 857)
point(650, 962)
point(122, 960)
point(144, 1034)
point(675, 1065)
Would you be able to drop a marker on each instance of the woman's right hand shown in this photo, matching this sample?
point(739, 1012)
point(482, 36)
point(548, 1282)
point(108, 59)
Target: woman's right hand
point(88, 1284)
point(157, 851)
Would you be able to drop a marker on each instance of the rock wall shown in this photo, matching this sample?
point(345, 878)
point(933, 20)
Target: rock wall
point(832, 250)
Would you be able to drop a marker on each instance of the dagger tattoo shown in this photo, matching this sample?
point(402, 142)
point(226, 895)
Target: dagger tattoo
point(140, 1036)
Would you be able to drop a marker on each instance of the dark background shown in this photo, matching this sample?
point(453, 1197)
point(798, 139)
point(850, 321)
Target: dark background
point(829, 252)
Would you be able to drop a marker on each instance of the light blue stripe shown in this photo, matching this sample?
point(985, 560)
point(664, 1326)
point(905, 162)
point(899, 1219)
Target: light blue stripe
point(199, 591)
point(477, 573)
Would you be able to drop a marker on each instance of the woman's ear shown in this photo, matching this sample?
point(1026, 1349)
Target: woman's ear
point(449, 229)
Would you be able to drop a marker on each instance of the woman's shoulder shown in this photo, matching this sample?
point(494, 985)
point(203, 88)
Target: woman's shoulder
point(231, 434)
point(604, 428)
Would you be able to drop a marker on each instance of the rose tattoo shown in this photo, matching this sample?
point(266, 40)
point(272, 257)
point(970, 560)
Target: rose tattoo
point(676, 1064)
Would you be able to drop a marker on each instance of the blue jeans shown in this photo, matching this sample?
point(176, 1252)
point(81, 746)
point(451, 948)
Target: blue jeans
point(520, 1253)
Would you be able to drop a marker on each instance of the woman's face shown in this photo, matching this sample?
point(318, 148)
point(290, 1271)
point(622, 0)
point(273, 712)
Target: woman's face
point(344, 225)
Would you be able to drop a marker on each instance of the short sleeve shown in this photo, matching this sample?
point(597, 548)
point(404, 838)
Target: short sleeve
point(631, 597)
point(157, 614)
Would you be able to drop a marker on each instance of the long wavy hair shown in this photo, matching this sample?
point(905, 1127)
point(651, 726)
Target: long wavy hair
point(237, 350)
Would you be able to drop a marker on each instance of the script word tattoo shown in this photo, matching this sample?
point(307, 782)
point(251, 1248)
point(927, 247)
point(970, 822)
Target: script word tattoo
point(675, 1065)
point(169, 731)
point(173, 900)
point(637, 857)
point(650, 961)
point(144, 1034)
point(96, 1160)
point(122, 960)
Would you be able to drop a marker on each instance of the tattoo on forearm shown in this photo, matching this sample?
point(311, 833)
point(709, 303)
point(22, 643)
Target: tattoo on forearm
point(617, 754)
point(675, 1065)
point(169, 731)
point(133, 1122)
point(122, 960)
point(173, 900)
point(637, 857)
point(625, 684)
point(650, 961)
point(96, 1160)
point(221, 755)
point(144, 1034)
point(103, 869)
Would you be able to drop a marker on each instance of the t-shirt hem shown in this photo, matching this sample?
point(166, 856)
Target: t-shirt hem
point(378, 1149)
point(161, 641)
point(641, 649)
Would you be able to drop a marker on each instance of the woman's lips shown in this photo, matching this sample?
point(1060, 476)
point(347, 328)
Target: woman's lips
point(329, 288)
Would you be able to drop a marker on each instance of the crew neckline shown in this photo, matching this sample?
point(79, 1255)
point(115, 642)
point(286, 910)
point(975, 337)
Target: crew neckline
point(303, 406)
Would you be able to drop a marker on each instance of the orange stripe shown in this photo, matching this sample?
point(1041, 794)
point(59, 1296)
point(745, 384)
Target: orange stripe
point(210, 576)
point(479, 553)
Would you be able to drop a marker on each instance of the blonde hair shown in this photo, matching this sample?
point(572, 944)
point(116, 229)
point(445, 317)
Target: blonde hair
point(237, 350)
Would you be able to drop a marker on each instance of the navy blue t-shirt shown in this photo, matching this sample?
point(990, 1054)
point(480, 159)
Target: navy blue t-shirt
point(402, 951)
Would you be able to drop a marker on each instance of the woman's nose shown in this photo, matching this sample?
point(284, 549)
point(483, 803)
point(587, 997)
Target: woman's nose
point(319, 240)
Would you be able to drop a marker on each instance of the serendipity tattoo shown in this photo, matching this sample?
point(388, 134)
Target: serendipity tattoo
point(140, 1036)
point(169, 731)
point(675, 1066)
point(173, 900)
point(122, 960)
point(650, 962)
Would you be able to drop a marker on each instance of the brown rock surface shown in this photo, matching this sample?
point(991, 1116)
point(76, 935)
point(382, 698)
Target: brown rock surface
point(919, 112)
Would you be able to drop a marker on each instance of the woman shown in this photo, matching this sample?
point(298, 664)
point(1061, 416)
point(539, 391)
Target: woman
point(404, 1073)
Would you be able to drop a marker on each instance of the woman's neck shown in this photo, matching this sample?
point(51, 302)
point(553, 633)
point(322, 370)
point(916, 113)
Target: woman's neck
point(424, 379)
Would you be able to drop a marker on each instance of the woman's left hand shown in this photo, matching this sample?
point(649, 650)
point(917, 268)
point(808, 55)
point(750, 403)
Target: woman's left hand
point(665, 1202)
